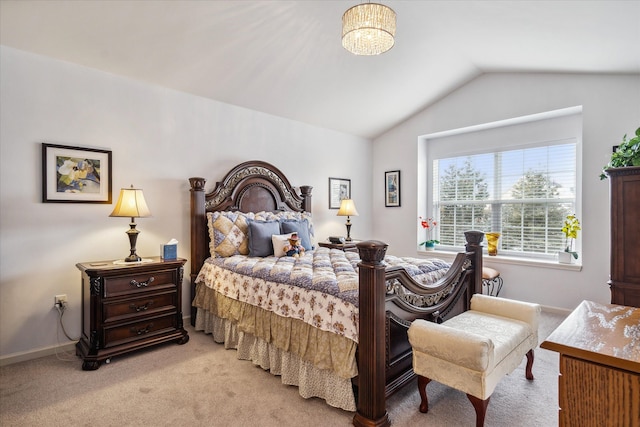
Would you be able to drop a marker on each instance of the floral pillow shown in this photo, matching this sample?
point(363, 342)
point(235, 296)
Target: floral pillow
point(228, 234)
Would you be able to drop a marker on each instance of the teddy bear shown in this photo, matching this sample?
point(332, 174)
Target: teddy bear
point(294, 248)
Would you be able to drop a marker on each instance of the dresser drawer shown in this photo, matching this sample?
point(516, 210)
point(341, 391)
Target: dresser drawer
point(133, 283)
point(148, 304)
point(143, 329)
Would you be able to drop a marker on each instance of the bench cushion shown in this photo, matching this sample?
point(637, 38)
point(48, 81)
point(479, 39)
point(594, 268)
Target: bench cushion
point(506, 334)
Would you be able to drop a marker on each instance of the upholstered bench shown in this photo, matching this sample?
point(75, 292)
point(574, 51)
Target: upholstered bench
point(472, 351)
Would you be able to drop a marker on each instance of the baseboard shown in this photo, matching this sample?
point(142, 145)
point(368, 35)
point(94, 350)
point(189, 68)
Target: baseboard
point(10, 359)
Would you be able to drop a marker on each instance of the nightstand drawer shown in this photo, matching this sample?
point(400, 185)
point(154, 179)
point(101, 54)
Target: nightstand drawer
point(134, 331)
point(131, 283)
point(141, 306)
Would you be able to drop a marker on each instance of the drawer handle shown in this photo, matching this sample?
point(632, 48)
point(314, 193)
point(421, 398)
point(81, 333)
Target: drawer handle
point(140, 308)
point(142, 331)
point(144, 284)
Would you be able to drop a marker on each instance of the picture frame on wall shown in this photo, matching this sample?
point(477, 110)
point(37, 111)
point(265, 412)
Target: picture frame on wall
point(392, 188)
point(339, 188)
point(75, 174)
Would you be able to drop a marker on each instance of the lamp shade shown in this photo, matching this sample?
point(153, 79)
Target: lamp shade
point(131, 204)
point(347, 208)
point(368, 29)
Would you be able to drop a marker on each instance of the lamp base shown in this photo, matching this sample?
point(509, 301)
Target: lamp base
point(348, 239)
point(133, 237)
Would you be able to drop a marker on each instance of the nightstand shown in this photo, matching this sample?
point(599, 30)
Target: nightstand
point(127, 307)
point(346, 246)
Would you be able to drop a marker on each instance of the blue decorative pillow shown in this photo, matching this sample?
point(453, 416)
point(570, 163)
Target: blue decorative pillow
point(297, 226)
point(260, 233)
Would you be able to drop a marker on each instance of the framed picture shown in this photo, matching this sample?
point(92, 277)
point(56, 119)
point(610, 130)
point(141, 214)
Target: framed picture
point(392, 188)
point(75, 174)
point(338, 189)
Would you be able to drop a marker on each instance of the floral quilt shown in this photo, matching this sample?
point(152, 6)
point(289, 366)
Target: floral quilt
point(319, 288)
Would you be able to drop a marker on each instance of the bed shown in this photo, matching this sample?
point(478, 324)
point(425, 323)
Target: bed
point(323, 333)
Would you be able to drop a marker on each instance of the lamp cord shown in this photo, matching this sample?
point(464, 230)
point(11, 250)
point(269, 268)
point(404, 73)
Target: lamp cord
point(61, 310)
point(68, 356)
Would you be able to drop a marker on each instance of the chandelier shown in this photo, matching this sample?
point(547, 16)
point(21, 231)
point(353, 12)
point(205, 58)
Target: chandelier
point(368, 29)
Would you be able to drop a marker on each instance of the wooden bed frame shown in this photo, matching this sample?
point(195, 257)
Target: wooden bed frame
point(389, 299)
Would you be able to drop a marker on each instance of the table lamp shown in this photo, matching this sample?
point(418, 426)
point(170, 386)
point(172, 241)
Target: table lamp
point(348, 209)
point(131, 204)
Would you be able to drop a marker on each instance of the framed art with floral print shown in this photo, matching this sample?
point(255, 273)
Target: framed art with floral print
point(75, 174)
point(392, 188)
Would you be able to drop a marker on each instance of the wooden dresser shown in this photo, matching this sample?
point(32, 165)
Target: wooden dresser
point(625, 234)
point(599, 383)
point(127, 307)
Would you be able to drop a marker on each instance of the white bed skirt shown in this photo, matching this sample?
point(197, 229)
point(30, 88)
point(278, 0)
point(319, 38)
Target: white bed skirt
point(311, 381)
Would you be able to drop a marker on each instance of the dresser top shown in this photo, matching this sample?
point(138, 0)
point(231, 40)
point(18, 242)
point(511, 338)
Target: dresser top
point(147, 262)
point(601, 333)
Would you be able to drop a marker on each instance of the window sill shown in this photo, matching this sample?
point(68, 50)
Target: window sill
point(502, 259)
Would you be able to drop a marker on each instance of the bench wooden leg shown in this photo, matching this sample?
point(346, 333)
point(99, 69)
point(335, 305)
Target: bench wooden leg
point(481, 408)
point(422, 389)
point(529, 373)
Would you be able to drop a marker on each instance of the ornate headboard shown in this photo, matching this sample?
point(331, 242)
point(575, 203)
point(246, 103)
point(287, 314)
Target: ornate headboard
point(251, 186)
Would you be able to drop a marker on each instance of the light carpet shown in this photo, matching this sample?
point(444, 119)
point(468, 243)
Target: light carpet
point(202, 384)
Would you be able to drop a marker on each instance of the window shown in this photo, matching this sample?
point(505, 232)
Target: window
point(519, 180)
point(524, 194)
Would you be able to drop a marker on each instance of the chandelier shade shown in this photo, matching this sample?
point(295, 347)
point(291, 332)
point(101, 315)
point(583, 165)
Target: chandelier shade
point(368, 29)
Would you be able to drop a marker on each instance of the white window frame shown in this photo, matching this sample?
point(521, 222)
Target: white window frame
point(520, 132)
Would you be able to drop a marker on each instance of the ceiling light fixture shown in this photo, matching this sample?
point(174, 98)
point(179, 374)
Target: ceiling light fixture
point(368, 29)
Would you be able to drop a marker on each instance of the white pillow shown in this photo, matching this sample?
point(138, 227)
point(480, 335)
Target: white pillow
point(279, 242)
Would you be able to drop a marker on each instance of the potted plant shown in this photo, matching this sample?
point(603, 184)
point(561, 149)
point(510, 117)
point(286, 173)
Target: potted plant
point(570, 230)
point(625, 154)
point(429, 224)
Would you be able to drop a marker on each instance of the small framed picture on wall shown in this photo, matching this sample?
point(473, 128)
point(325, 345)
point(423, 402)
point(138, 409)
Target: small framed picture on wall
point(339, 189)
point(392, 188)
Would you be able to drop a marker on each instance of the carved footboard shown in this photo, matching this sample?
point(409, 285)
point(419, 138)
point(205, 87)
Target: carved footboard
point(389, 301)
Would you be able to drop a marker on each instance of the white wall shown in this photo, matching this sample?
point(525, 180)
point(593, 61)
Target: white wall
point(610, 109)
point(159, 139)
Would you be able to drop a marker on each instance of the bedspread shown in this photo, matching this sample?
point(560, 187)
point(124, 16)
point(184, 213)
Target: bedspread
point(319, 288)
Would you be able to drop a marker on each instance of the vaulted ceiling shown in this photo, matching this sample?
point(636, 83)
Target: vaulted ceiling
point(285, 57)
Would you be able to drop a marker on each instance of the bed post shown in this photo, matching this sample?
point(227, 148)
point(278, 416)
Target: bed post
point(474, 240)
point(371, 407)
point(198, 228)
point(305, 193)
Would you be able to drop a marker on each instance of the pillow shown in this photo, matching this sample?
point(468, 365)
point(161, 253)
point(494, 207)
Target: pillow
point(260, 233)
point(279, 241)
point(228, 233)
point(297, 226)
point(285, 215)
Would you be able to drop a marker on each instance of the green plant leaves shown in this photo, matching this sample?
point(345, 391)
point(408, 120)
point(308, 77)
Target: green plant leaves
point(627, 153)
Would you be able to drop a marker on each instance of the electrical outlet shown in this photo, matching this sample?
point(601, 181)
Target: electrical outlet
point(60, 300)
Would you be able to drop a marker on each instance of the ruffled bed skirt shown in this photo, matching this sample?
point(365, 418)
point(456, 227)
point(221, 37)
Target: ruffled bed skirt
point(293, 370)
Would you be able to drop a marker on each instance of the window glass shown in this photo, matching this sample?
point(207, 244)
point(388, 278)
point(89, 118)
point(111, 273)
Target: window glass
point(523, 194)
